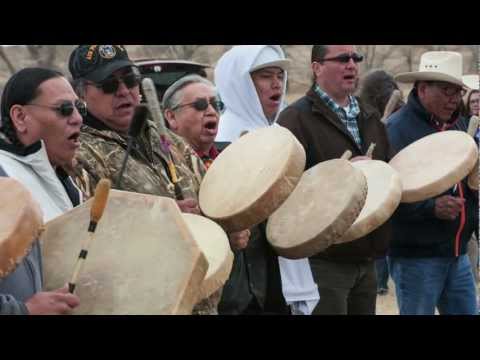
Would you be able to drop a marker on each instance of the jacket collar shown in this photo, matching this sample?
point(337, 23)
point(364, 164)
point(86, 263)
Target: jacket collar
point(422, 113)
point(320, 107)
point(20, 151)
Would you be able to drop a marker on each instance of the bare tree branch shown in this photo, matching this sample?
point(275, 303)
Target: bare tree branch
point(7, 61)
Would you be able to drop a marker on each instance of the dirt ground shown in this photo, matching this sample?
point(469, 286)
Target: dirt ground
point(387, 304)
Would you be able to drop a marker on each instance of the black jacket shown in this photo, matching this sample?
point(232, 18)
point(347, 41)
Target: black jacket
point(417, 232)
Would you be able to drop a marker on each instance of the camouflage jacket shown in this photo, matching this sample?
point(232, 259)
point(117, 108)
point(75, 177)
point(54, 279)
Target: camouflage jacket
point(101, 155)
point(102, 152)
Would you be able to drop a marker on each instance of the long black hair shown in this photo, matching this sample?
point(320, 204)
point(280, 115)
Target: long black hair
point(21, 89)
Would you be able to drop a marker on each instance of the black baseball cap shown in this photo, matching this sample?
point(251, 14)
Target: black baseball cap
point(97, 62)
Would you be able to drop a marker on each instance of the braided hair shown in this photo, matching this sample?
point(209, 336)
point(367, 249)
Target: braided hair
point(21, 89)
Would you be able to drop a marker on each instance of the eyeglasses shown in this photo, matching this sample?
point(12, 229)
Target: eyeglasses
point(202, 105)
point(65, 109)
point(111, 84)
point(448, 89)
point(345, 58)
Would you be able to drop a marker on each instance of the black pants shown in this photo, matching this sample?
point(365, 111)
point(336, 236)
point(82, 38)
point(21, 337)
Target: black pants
point(345, 289)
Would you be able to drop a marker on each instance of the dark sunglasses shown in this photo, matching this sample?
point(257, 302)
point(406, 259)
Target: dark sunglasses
point(65, 109)
point(111, 84)
point(345, 58)
point(202, 105)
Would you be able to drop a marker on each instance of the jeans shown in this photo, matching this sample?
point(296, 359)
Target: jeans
point(381, 266)
point(422, 284)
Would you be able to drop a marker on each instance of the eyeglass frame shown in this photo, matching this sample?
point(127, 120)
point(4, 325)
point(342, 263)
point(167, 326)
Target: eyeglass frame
point(356, 57)
point(462, 92)
point(211, 101)
point(137, 78)
point(60, 111)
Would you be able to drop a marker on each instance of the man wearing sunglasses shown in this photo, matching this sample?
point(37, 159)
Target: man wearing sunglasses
point(108, 81)
point(192, 109)
point(428, 255)
point(106, 78)
point(41, 119)
point(328, 121)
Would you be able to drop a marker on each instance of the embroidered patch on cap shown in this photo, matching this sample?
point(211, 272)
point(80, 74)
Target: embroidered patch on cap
point(107, 51)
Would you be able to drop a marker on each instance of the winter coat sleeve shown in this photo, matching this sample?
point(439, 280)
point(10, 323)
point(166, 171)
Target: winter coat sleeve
point(10, 306)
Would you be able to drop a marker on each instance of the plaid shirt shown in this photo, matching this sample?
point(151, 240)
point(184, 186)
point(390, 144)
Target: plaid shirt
point(348, 115)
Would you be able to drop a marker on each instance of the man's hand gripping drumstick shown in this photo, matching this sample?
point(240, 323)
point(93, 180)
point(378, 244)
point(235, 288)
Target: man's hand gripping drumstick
point(96, 212)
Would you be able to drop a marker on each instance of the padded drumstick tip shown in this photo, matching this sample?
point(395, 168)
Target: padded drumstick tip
point(473, 125)
point(100, 200)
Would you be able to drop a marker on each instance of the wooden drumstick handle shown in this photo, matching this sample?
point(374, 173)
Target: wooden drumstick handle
point(473, 125)
point(99, 202)
point(347, 155)
point(153, 105)
point(370, 150)
point(391, 104)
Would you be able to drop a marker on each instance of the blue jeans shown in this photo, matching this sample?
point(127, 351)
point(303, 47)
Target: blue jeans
point(421, 284)
point(381, 267)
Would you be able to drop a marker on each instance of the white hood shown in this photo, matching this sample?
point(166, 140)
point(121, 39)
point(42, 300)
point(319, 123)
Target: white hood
point(235, 86)
point(36, 173)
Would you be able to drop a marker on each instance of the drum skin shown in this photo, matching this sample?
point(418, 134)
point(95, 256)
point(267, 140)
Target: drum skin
point(21, 223)
point(383, 198)
point(251, 178)
point(142, 260)
point(433, 164)
point(214, 243)
point(323, 206)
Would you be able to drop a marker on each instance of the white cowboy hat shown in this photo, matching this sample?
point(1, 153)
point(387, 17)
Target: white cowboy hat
point(472, 81)
point(437, 66)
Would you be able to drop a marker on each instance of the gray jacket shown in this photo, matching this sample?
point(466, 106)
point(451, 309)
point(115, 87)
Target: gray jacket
point(22, 283)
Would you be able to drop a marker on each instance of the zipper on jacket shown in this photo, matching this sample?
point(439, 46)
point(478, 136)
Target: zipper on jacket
point(461, 226)
point(31, 271)
point(462, 222)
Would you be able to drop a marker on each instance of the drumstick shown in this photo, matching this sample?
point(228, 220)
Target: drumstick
point(473, 125)
point(154, 106)
point(96, 212)
point(391, 104)
point(370, 150)
point(473, 176)
point(346, 155)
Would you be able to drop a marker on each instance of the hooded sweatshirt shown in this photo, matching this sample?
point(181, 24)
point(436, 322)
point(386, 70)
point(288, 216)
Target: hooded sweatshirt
point(244, 112)
point(243, 108)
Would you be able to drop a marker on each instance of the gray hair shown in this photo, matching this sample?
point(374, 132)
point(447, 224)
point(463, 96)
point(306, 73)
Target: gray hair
point(174, 94)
